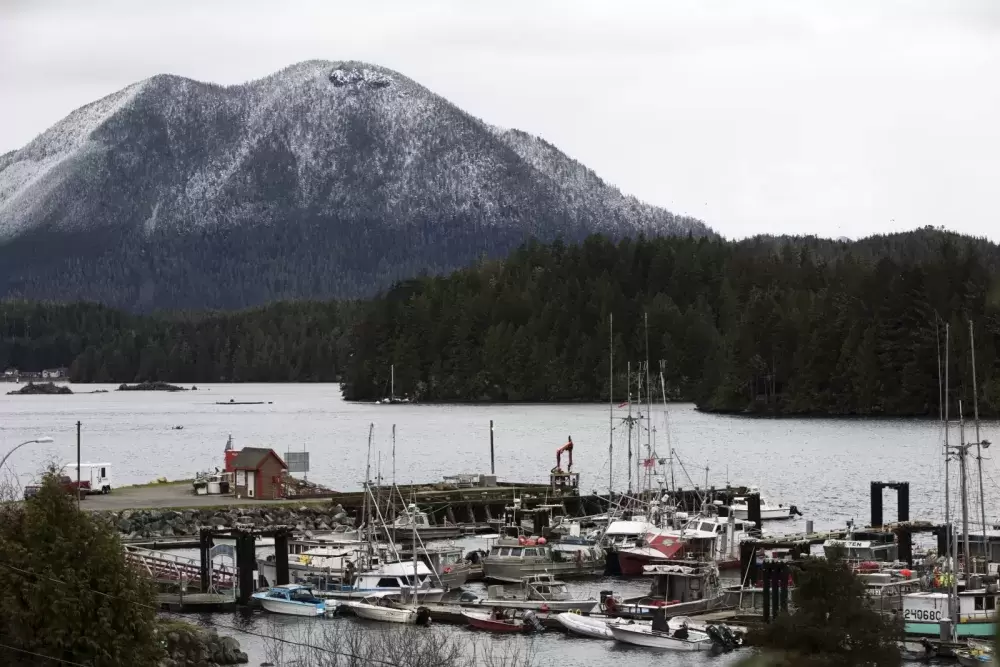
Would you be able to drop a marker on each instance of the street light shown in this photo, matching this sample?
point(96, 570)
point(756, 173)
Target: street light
point(27, 442)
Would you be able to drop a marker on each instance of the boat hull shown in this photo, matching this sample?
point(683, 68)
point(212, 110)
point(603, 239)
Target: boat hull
point(513, 572)
point(770, 514)
point(542, 605)
point(484, 622)
point(381, 614)
point(585, 626)
point(643, 636)
point(288, 608)
point(430, 595)
point(984, 630)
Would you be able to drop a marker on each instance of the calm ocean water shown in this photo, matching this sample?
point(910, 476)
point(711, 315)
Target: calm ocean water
point(823, 466)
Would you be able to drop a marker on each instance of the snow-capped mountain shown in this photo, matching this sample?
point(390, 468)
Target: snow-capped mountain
point(326, 179)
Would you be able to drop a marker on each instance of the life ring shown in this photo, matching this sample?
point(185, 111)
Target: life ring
point(575, 611)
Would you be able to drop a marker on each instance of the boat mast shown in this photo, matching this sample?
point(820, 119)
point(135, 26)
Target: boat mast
point(947, 452)
point(611, 405)
point(666, 419)
point(366, 509)
point(413, 524)
point(392, 383)
point(649, 403)
point(979, 440)
point(628, 383)
point(962, 451)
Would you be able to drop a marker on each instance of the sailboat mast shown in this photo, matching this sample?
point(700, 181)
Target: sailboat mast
point(666, 419)
point(392, 383)
point(611, 405)
point(979, 440)
point(368, 474)
point(628, 383)
point(649, 401)
point(964, 490)
point(947, 453)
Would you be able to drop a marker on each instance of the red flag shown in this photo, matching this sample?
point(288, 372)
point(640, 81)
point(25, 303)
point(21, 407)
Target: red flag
point(649, 463)
point(622, 405)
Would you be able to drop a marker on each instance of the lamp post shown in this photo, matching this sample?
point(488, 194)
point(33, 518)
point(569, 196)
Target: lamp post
point(26, 442)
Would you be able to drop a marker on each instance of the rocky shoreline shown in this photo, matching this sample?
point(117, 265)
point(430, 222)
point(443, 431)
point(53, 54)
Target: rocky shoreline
point(152, 523)
point(187, 645)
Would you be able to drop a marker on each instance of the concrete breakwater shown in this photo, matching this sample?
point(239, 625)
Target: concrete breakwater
point(152, 523)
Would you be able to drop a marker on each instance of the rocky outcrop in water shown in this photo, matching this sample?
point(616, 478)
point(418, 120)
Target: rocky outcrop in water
point(152, 523)
point(150, 386)
point(190, 646)
point(41, 389)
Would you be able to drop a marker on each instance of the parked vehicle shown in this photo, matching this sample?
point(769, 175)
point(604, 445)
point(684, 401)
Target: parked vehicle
point(68, 485)
point(97, 475)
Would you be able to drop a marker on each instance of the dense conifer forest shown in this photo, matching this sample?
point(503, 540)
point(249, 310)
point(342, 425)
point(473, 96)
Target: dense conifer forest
point(766, 325)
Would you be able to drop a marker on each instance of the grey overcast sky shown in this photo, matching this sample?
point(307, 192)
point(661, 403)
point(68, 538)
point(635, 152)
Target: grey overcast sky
point(839, 118)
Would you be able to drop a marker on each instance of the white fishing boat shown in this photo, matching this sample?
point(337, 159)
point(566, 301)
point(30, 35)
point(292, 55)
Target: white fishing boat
point(768, 512)
point(293, 600)
point(391, 580)
point(380, 608)
point(644, 635)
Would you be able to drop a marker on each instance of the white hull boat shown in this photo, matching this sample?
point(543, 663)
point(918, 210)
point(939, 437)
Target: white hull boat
point(644, 635)
point(542, 605)
point(372, 612)
point(585, 626)
point(293, 600)
point(768, 512)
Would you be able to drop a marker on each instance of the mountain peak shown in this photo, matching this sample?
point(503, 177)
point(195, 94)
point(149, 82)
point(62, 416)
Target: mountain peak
point(324, 179)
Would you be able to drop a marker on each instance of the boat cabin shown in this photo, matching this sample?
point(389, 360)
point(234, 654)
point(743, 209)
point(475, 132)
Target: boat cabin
point(682, 580)
point(544, 587)
point(394, 576)
point(863, 550)
point(293, 593)
point(412, 517)
point(624, 534)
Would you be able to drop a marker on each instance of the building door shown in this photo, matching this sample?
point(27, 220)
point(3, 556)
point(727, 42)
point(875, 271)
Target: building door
point(251, 483)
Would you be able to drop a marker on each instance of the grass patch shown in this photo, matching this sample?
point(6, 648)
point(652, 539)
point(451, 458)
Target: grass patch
point(154, 483)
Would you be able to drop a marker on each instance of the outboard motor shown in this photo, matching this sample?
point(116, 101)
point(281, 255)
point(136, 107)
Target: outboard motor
point(723, 638)
point(531, 622)
point(793, 510)
point(423, 616)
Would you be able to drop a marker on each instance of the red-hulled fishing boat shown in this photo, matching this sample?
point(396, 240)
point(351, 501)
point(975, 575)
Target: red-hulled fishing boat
point(655, 548)
point(495, 621)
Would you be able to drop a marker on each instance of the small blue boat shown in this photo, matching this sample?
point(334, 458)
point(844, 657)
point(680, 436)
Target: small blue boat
point(292, 600)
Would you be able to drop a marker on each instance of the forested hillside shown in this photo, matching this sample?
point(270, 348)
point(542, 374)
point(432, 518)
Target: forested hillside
point(773, 325)
point(769, 325)
point(289, 342)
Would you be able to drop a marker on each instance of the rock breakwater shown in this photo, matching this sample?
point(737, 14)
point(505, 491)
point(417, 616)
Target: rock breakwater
point(187, 645)
point(152, 523)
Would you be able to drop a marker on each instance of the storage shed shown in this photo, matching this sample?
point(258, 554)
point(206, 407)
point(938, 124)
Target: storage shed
point(258, 474)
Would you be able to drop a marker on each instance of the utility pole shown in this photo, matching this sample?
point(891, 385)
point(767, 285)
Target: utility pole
point(78, 465)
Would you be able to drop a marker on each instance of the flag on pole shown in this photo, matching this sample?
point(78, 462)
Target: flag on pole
point(648, 463)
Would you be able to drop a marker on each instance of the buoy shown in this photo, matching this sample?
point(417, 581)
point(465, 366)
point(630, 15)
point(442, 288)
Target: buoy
point(521, 540)
point(542, 541)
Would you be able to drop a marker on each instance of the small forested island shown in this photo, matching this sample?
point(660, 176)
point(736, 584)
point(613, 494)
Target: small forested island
point(40, 389)
point(767, 325)
point(150, 386)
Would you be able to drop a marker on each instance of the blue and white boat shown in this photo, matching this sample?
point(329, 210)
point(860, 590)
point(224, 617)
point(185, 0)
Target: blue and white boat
point(293, 600)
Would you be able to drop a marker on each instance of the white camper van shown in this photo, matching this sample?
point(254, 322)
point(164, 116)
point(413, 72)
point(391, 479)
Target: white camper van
point(98, 474)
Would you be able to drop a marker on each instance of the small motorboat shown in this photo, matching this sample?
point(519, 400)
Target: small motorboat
point(768, 512)
point(293, 600)
point(381, 608)
point(539, 592)
point(975, 656)
point(502, 621)
point(644, 635)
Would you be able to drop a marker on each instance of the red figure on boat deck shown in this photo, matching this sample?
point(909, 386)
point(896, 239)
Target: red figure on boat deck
point(568, 448)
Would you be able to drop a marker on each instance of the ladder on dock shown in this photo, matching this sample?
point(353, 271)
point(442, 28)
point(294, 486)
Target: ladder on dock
point(164, 566)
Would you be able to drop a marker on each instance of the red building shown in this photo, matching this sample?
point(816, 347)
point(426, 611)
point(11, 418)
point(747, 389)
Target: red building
point(258, 473)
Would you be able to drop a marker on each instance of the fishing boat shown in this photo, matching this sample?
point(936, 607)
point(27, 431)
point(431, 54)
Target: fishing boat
point(502, 621)
point(293, 600)
point(540, 592)
point(380, 608)
point(510, 560)
point(391, 580)
point(923, 613)
point(680, 586)
point(447, 563)
point(414, 523)
point(713, 538)
point(655, 547)
point(741, 510)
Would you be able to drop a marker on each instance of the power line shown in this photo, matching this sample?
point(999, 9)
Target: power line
point(42, 655)
point(221, 625)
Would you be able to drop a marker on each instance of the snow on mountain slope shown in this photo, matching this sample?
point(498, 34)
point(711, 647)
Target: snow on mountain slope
point(330, 154)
